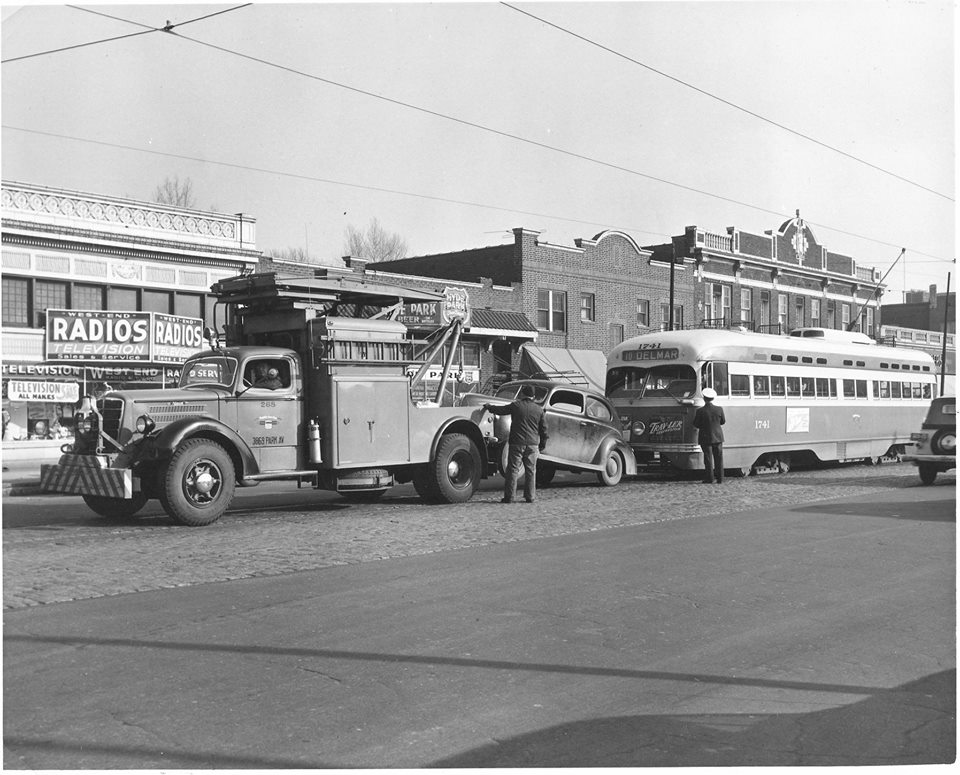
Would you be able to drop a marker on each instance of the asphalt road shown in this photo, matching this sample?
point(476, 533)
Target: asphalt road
point(804, 619)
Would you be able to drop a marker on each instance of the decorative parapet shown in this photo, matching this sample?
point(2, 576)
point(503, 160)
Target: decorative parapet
point(130, 218)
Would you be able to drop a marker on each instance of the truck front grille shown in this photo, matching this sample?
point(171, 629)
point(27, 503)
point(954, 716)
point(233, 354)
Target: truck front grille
point(111, 409)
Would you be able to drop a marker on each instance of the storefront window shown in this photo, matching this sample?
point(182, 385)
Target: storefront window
point(16, 302)
point(48, 295)
point(188, 305)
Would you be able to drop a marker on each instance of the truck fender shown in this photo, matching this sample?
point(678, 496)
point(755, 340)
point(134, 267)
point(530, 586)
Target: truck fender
point(173, 435)
point(468, 428)
point(625, 450)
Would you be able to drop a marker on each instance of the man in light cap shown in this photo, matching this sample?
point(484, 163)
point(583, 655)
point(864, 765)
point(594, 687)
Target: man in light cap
point(528, 438)
point(708, 420)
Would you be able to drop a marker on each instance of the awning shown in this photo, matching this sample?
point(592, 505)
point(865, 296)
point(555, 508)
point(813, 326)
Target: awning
point(587, 368)
point(498, 322)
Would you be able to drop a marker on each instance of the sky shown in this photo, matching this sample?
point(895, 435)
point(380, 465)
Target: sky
point(454, 123)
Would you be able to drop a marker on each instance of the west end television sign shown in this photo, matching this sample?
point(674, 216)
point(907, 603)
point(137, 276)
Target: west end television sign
point(105, 336)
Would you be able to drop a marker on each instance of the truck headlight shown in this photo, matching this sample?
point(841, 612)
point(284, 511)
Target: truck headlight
point(145, 424)
point(84, 425)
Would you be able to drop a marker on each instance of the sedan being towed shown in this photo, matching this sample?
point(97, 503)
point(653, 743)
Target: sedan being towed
point(584, 432)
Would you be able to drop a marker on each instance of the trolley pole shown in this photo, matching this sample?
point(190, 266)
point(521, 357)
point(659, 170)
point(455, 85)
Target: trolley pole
point(943, 350)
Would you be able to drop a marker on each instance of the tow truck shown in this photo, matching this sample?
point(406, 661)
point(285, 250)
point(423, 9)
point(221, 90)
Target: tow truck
point(312, 380)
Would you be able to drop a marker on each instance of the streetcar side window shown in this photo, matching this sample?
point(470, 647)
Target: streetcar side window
point(926, 390)
point(861, 388)
point(793, 387)
point(823, 387)
point(715, 376)
point(884, 389)
point(777, 389)
point(895, 390)
point(806, 387)
point(917, 390)
point(739, 385)
point(849, 389)
point(761, 387)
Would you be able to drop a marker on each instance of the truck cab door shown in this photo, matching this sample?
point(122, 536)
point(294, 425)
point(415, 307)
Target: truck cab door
point(268, 412)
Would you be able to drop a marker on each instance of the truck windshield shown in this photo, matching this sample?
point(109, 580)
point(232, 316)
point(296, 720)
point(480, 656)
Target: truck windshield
point(675, 380)
point(217, 370)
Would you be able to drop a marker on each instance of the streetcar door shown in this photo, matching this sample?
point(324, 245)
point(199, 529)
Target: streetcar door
point(716, 375)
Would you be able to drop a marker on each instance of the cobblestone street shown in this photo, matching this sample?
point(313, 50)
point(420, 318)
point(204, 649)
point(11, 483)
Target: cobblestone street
point(45, 564)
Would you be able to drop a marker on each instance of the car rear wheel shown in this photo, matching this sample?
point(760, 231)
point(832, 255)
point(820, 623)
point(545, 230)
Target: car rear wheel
point(944, 442)
point(612, 471)
point(545, 474)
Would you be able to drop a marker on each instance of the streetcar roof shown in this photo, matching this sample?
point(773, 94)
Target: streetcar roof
point(724, 344)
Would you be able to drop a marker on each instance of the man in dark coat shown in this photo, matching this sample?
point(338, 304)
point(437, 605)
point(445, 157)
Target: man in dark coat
point(528, 438)
point(708, 420)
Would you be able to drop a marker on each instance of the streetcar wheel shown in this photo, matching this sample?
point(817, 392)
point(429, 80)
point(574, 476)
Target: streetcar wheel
point(739, 472)
point(928, 473)
point(456, 469)
point(116, 508)
point(783, 464)
point(612, 471)
point(199, 483)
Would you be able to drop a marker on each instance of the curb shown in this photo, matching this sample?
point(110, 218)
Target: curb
point(30, 487)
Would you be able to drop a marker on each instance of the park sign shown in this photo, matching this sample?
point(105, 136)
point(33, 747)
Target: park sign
point(422, 314)
point(105, 336)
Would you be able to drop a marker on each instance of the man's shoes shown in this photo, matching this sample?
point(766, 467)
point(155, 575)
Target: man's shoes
point(529, 500)
point(707, 481)
point(506, 500)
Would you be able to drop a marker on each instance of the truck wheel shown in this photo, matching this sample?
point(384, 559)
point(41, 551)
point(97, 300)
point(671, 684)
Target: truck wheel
point(928, 472)
point(116, 508)
point(612, 471)
point(421, 483)
point(455, 471)
point(198, 484)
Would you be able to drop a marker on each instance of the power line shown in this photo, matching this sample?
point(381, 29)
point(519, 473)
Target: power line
point(169, 27)
point(430, 197)
point(726, 102)
point(330, 181)
point(78, 45)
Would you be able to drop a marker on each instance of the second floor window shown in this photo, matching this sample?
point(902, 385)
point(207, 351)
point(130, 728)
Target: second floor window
point(746, 305)
point(665, 316)
point(782, 302)
point(588, 307)
point(815, 313)
point(643, 313)
point(551, 310)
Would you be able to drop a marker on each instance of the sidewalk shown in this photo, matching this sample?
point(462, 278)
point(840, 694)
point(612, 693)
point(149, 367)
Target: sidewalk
point(21, 477)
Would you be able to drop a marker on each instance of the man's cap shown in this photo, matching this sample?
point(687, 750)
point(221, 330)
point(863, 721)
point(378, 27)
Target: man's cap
point(528, 391)
point(709, 394)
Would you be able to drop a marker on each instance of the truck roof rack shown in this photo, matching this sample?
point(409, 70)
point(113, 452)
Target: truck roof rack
point(266, 286)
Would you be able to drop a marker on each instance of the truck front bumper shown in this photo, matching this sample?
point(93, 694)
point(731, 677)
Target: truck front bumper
point(88, 475)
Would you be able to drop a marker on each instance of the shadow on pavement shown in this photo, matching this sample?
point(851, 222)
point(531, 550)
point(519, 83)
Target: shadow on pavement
point(912, 724)
point(931, 511)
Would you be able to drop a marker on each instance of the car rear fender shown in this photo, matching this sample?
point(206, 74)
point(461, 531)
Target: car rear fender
point(611, 444)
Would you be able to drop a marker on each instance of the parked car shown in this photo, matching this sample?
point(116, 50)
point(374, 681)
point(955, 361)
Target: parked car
point(937, 440)
point(584, 431)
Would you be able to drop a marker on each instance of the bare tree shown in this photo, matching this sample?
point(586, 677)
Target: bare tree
point(375, 243)
point(293, 254)
point(175, 192)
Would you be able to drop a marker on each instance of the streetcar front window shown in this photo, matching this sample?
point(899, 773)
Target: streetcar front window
point(670, 381)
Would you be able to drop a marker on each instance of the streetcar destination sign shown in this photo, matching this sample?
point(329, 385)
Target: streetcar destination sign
point(655, 354)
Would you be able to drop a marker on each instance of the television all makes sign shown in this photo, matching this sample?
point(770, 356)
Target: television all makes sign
point(100, 336)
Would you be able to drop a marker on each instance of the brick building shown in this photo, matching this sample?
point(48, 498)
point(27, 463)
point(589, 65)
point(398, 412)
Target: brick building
point(107, 267)
point(593, 295)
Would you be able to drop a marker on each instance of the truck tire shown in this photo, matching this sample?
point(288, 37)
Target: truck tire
point(422, 484)
point(928, 472)
point(115, 508)
point(198, 484)
point(612, 471)
point(454, 474)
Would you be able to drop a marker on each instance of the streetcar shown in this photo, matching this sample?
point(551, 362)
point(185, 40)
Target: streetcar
point(813, 397)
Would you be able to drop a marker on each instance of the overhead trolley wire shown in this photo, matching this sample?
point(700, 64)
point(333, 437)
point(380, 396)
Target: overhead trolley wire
point(169, 28)
point(726, 102)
